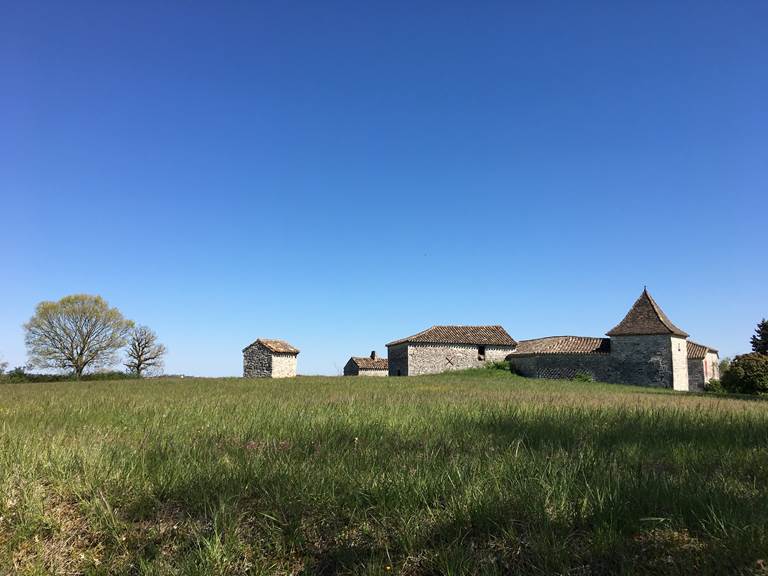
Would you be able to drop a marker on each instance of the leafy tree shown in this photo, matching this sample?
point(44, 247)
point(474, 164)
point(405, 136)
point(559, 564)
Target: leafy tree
point(760, 340)
point(747, 374)
point(76, 333)
point(3, 366)
point(724, 365)
point(144, 351)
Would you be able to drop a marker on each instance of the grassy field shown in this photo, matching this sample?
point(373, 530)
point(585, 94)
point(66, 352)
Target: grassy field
point(469, 473)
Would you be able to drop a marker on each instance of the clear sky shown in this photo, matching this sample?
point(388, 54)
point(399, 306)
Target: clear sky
point(341, 174)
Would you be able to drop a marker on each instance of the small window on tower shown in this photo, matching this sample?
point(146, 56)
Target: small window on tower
point(481, 352)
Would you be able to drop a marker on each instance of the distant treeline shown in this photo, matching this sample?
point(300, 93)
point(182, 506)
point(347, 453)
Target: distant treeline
point(19, 375)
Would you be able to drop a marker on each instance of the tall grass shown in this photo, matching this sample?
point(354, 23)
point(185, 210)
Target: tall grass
point(479, 472)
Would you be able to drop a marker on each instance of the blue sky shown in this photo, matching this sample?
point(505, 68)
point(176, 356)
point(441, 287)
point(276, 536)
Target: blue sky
point(341, 174)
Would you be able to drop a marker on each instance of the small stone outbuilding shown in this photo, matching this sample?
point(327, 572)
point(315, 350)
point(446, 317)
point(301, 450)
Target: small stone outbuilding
point(703, 365)
point(372, 365)
point(444, 348)
point(267, 358)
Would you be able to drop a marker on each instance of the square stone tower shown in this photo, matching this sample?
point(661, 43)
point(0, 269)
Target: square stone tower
point(646, 348)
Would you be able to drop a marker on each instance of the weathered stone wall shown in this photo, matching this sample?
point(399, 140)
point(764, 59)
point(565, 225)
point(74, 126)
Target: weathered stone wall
point(696, 377)
point(644, 360)
point(712, 366)
point(350, 368)
point(283, 365)
point(398, 360)
point(373, 373)
point(565, 366)
point(436, 358)
point(679, 348)
point(257, 362)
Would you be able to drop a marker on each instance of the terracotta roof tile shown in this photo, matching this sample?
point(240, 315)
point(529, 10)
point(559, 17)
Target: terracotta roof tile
point(276, 346)
point(645, 317)
point(475, 335)
point(563, 345)
point(699, 351)
point(368, 363)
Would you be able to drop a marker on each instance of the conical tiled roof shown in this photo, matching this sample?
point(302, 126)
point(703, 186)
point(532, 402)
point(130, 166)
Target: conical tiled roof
point(645, 317)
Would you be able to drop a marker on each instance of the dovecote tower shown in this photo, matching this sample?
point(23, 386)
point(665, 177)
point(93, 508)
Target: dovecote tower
point(647, 348)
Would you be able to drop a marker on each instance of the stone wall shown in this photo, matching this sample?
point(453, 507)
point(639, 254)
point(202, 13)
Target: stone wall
point(398, 360)
point(373, 373)
point(257, 362)
point(351, 369)
point(679, 348)
point(284, 365)
point(260, 362)
point(712, 371)
point(701, 371)
point(696, 378)
point(644, 360)
point(437, 358)
point(565, 366)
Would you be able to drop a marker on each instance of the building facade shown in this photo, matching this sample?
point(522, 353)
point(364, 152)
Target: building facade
point(267, 358)
point(445, 348)
point(703, 365)
point(644, 349)
point(372, 365)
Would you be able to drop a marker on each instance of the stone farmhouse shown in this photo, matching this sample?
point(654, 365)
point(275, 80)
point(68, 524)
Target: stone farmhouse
point(442, 348)
point(267, 358)
point(645, 349)
point(372, 365)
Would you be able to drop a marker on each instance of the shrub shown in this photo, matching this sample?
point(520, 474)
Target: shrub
point(714, 386)
point(498, 365)
point(747, 374)
point(584, 377)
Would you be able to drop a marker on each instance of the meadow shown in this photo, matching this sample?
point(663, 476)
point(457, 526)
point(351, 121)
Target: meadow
point(479, 472)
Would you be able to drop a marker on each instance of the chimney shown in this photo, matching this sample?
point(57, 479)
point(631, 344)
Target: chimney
point(373, 355)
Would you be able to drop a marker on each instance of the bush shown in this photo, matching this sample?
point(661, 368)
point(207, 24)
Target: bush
point(583, 377)
point(20, 374)
point(747, 374)
point(498, 365)
point(714, 386)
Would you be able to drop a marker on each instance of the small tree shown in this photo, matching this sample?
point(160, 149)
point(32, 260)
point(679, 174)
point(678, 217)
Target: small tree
point(144, 351)
point(760, 340)
point(3, 366)
point(76, 333)
point(724, 365)
point(747, 374)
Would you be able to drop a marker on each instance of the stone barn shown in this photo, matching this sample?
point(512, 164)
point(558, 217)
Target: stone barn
point(443, 348)
point(267, 358)
point(644, 349)
point(703, 365)
point(372, 365)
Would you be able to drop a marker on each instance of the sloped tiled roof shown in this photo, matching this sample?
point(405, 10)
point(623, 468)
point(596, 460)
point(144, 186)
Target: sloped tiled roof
point(368, 363)
point(698, 351)
point(276, 346)
point(476, 335)
point(563, 345)
point(645, 317)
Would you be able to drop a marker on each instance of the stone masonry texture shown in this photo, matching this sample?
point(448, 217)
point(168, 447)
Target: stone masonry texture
point(414, 359)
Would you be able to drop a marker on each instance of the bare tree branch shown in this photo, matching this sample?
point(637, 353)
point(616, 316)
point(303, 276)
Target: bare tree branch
point(144, 351)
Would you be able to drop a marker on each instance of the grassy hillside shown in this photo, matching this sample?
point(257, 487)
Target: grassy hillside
point(469, 473)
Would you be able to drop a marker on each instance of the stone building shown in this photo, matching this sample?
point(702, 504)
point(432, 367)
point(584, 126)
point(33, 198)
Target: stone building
point(645, 349)
point(443, 348)
point(269, 359)
point(372, 365)
point(703, 365)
